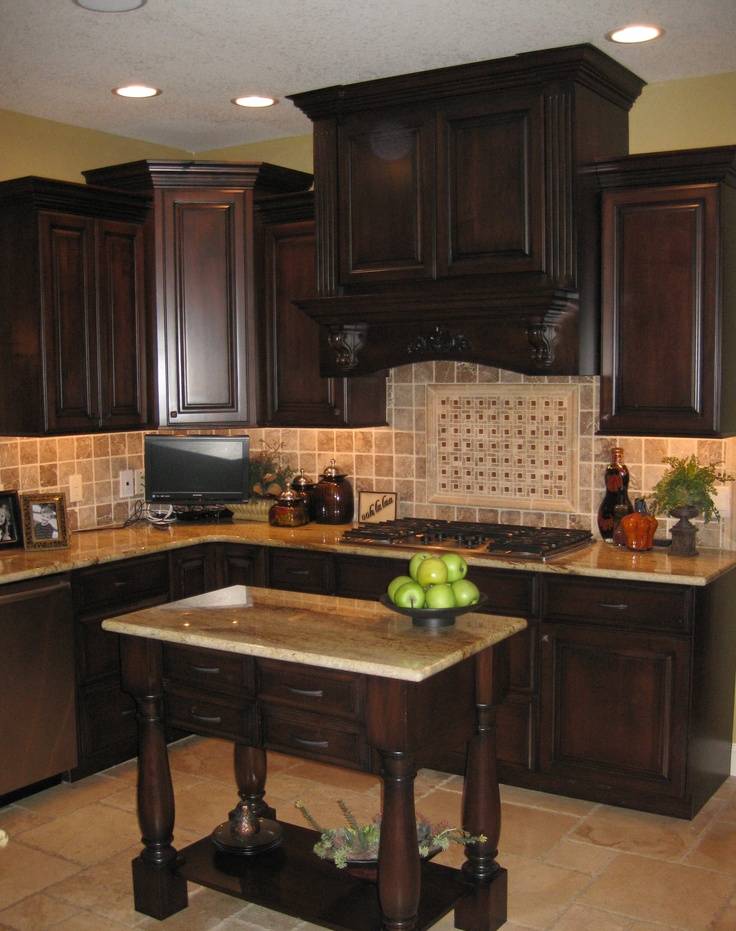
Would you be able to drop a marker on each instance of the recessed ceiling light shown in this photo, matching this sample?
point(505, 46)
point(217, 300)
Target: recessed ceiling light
point(254, 101)
point(629, 35)
point(110, 6)
point(136, 90)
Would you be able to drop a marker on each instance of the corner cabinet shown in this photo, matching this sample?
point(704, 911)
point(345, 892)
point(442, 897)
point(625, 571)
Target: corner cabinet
point(292, 392)
point(200, 243)
point(669, 293)
point(451, 220)
point(73, 325)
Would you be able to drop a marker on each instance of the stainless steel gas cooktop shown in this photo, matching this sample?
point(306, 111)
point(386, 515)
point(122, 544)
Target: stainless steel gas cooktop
point(540, 543)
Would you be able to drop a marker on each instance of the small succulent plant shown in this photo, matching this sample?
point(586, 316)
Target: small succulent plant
point(360, 842)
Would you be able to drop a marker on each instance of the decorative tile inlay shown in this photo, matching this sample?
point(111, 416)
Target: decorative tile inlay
point(496, 445)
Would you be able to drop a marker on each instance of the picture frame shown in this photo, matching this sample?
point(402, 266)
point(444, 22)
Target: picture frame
point(44, 521)
point(11, 526)
point(377, 506)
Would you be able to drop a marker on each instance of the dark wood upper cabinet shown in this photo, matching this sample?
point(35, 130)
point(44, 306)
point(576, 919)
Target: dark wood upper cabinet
point(72, 288)
point(292, 391)
point(668, 297)
point(200, 240)
point(451, 218)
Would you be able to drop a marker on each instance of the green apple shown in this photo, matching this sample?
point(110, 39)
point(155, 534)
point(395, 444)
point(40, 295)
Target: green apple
point(431, 571)
point(440, 596)
point(465, 592)
point(395, 584)
point(457, 568)
point(415, 562)
point(409, 595)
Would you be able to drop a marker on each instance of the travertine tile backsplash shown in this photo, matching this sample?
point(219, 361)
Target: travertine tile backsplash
point(394, 457)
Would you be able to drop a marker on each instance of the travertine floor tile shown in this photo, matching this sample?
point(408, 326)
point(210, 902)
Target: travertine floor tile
point(582, 918)
point(263, 918)
point(517, 795)
point(207, 909)
point(35, 912)
point(531, 832)
point(539, 893)
point(86, 835)
point(576, 856)
point(654, 890)
point(14, 820)
point(212, 758)
point(716, 849)
point(25, 871)
point(69, 796)
point(349, 780)
point(126, 797)
point(638, 832)
point(85, 921)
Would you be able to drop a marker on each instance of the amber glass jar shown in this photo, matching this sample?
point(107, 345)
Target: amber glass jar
point(333, 497)
point(290, 510)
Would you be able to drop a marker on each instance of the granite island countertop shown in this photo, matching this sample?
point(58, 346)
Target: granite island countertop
point(318, 630)
point(600, 560)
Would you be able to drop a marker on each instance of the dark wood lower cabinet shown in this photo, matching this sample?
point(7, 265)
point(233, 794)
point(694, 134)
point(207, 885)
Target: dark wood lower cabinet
point(617, 691)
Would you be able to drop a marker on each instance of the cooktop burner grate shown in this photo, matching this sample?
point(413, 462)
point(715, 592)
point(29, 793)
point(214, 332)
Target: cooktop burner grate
point(495, 539)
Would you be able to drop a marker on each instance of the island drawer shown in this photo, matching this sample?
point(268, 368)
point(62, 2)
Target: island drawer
point(312, 689)
point(116, 586)
point(212, 670)
point(218, 717)
point(313, 735)
point(658, 607)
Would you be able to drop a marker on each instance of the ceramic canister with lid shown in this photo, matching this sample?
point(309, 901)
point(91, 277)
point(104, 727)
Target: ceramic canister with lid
point(302, 486)
point(333, 497)
point(289, 510)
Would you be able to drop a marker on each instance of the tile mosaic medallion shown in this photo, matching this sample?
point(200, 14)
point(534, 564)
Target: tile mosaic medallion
point(495, 445)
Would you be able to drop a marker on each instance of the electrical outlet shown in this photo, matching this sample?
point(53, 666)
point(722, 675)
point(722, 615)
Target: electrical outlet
point(75, 487)
point(138, 482)
point(126, 483)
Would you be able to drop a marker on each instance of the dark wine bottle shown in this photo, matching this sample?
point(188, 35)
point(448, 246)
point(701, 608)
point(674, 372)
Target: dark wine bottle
point(616, 501)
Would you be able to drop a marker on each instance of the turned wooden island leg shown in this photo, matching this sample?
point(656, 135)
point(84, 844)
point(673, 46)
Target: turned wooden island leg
point(250, 776)
point(157, 890)
point(399, 879)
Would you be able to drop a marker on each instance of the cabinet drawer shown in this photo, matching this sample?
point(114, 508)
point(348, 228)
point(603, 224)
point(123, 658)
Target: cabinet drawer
point(311, 689)
point(313, 735)
point(210, 669)
point(658, 607)
point(366, 577)
point(211, 714)
point(300, 571)
point(119, 584)
point(508, 592)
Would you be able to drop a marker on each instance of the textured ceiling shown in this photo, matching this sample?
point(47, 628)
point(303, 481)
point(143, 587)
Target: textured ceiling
point(60, 61)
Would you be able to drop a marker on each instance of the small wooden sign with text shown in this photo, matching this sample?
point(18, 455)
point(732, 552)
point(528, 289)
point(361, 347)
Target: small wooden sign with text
point(375, 506)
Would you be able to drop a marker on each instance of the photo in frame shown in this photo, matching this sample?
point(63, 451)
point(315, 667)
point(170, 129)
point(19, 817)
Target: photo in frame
point(11, 528)
point(44, 521)
point(377, 506)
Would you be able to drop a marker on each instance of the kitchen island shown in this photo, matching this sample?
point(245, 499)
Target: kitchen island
point(415, 688)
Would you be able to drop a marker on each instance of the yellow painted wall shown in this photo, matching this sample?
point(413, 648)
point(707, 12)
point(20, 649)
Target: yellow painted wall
point(685, 114)
point(33, 146)
point(291, 152)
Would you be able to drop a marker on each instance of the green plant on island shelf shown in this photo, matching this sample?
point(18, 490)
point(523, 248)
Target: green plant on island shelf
point(689, 483)
point(359, 842)
point(268, 472)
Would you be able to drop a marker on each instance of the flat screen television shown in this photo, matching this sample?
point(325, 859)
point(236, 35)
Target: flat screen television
point(196, 469)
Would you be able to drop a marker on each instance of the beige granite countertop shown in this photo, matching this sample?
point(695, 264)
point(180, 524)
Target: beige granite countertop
point(600, 559)
point(319, 630)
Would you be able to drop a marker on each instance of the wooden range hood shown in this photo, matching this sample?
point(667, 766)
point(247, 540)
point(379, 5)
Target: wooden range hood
point(452, 221)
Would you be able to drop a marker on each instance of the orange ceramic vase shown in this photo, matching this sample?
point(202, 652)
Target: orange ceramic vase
point(639, 527)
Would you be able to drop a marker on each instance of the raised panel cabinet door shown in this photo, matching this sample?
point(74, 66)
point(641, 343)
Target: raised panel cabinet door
point(69, 312)
point(490, 186)
point(208, 247)
point(120, 275)
point(660, 320)
point(241, 565)
point(614, 708)
point(386, 199)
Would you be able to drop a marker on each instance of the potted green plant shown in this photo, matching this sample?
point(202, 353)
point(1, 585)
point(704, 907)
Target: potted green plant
point(685, 490)
point(355, 847)
point(268, 477)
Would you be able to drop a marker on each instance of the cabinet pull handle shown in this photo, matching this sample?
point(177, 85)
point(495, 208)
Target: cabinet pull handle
point(127, 713)
point(321, 744)
point(209, 670)
point(308, 693)
point(298, 571)
point(206, 719)
point(613, 607)
point(545, 638)
point(120, 584)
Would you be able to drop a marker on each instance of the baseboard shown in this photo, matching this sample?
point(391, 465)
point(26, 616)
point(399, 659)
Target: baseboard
point(733, 759)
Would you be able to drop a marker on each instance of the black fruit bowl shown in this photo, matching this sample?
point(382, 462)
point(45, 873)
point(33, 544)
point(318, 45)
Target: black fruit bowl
point(433, 617)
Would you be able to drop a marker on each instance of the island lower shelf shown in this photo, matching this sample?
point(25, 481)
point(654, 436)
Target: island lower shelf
point(293, 880)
